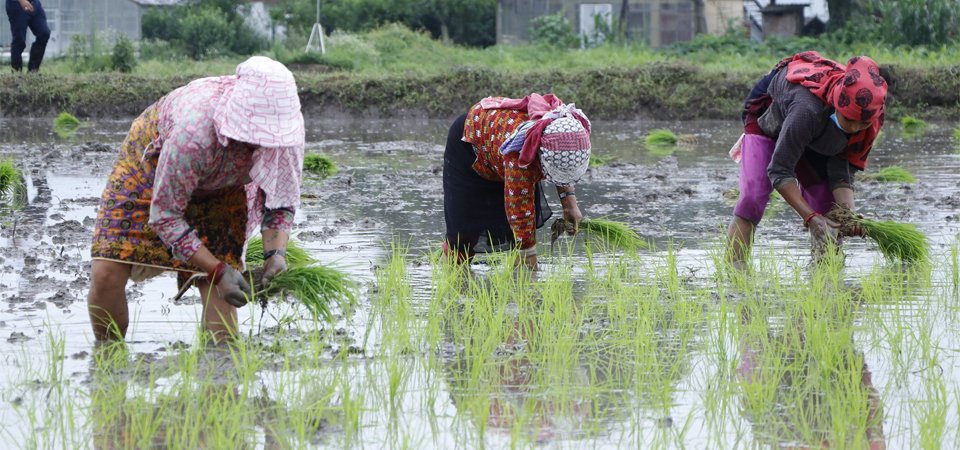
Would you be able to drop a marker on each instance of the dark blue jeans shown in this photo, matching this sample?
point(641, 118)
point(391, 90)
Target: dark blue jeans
point(20, 20)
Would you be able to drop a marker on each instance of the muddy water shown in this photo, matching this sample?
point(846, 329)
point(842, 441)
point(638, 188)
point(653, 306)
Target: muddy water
point(388, 189)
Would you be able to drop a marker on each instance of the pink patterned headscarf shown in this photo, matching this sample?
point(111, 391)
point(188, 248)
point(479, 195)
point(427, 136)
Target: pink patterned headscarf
point(262, 108)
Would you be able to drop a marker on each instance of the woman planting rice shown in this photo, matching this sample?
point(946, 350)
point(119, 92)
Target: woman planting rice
point(808, 126)
point(199, 170)
point(495, 157)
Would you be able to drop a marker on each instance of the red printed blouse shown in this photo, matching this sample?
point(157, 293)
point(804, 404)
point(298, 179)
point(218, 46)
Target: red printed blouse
point(487, 129)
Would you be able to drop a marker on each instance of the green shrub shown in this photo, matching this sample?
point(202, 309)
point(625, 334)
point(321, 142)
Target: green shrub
point(162, 24)
point(205, 33)
point(87, 54)
point(124, 57)
point(553, 30)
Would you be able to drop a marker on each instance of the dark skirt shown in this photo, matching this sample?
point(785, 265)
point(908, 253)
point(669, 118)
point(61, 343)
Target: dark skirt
point(473, 207)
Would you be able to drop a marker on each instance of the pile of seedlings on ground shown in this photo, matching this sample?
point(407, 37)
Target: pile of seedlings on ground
point(615, 235)
point(65, 125)
point(662, 142)
point(320, 165)
point(912, 126)
point(891, 174)
point(314, 285)
point(13, 188)
point(897, 241)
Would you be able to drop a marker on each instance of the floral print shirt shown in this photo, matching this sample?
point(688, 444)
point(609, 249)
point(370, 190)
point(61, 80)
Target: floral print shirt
point(193, 163)
point(486, 130)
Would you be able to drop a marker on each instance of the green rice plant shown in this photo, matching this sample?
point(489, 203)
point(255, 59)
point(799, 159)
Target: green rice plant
point(898, 241)
point(316, 287)
point(912, 126)
point(660, 137)
point(296, 255)
point(597, 161)
point(13, 188)
point(320, 165)
point(910, 123)
point(65, 125)
point(890, 174)
point(616, 234)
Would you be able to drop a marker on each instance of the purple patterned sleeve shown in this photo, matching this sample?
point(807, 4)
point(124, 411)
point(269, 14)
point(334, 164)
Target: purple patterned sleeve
point(181, 163)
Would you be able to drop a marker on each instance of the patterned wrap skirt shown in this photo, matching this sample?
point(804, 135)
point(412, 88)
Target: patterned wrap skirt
point(122, 232)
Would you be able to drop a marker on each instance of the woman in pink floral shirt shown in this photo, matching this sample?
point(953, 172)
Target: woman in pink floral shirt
point(199, 171)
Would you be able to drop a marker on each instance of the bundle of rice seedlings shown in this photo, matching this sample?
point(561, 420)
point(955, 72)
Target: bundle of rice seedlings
point(65, 124)
point(615, 234)
point(320, 165)
point(296, 255)
point(315, 286)
point(910, 123)
point(597, 161)
point(660, 137)
point(897, 241)
point(912, 126)
point(891, 174)
point(13, 188)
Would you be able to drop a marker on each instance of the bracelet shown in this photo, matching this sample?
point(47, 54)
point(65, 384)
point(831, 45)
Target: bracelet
point(807, 219)
point(532, 251)
point(216, 274)
point(566, 194)
point(271, 253)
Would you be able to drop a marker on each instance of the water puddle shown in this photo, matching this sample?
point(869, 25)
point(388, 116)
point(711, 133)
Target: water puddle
point(381, 377)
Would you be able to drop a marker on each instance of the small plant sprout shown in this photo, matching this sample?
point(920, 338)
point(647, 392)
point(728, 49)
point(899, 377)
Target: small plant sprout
point(897, 241)
point(912, 126)
point(65, 125)
point(296, 255)
point(891, 174)
point(13, 188)
point(320, 165)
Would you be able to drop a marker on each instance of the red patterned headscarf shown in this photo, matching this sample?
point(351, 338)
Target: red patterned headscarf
point(856, 90)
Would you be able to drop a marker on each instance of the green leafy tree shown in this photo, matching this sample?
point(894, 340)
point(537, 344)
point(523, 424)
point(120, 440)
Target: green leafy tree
point(553, 30)
point(124, 57)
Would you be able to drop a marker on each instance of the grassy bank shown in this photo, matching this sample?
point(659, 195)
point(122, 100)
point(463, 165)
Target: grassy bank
point(394, 70)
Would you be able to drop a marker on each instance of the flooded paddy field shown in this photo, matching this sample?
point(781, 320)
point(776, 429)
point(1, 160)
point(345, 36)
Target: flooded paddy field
point(665, 348)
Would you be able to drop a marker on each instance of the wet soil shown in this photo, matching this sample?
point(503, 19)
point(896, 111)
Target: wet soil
point(388, 190)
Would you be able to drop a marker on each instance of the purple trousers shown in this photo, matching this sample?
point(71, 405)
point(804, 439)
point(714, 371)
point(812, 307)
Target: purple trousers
point(755, 187)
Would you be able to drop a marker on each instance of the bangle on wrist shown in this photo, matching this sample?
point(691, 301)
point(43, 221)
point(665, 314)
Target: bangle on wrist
point(216, 274)
point(808, 218)
point(271, 253)
point(564, 195)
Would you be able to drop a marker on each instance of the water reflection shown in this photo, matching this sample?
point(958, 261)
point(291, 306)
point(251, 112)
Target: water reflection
point(803, 382)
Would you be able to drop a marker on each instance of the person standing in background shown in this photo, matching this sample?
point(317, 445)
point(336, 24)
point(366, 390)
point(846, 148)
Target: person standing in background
point(25, 14)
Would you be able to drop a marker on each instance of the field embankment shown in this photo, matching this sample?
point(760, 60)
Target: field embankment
point(662, 90)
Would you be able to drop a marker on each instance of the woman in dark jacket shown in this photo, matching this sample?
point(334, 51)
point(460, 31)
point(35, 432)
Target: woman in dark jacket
point(808, 127)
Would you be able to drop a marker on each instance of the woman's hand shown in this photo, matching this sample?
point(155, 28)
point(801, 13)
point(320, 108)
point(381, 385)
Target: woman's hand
point(232, 286)
point(275, 264)
point(27, 6)
point(822, 227)
point(571, 213)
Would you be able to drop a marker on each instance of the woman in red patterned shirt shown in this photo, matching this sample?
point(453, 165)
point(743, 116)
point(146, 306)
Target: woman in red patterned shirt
point(495, 158)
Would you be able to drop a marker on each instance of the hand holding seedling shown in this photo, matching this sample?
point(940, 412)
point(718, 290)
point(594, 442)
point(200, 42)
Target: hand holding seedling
point(273, 265)
point(231, 285)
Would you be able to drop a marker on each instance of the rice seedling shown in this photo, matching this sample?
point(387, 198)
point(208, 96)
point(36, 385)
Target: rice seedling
point(65, 125)
point(617, 235)
point(597, 161)
point(296, 255)
point(890, 174)
point(316, 287)
point(320, 165)
point(13, 187)
point(660, 137)
point(912, 127)
point(897, 241)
